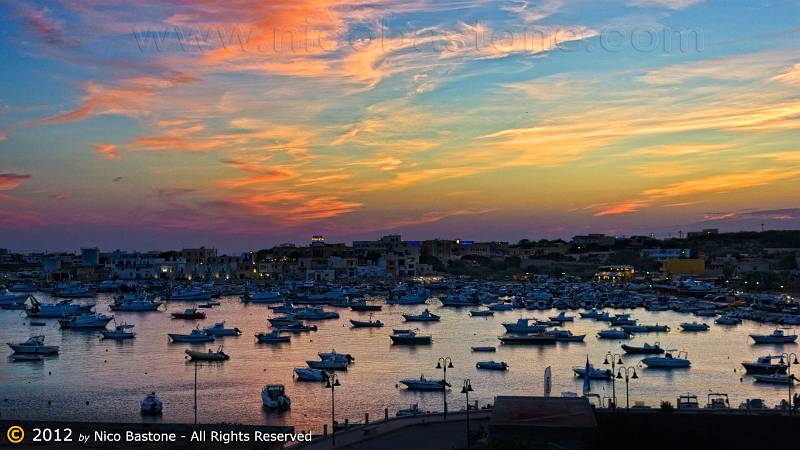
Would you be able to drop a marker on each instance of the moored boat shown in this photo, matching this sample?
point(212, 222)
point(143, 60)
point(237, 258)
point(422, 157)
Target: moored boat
point(764, 366)
point(86, 321)
point(645, 349)
point(668, 361)
point(424, 384)
point(120, 331)
point(527, 339)
point(410, 338)
point(425, 316)
point(195, 335)
point(34, 345)
point(309, 374)
point(777, 337)
point(210, 355)
point(219, 330)
point(151, 405)
point(189, 314)
point(492, 365)
point(273, 396)
point(272, 337)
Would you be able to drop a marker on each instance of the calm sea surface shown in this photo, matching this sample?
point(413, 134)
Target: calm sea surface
point(97, 380)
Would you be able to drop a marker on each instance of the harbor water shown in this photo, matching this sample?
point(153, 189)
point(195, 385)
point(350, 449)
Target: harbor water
point(103, 380)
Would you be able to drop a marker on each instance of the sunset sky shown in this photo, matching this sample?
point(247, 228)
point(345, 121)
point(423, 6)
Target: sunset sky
point(242, 124)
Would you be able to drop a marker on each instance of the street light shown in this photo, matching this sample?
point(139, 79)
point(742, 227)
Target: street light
point(789, 363)
point(616, 358)
point(466, 390)
point(444, 363)
point(628, 377)
point(331, 384)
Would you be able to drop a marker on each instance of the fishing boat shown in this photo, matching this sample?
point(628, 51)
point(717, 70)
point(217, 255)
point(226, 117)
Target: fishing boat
point(425, 316)
point(262, 297)
point(694, 326)
point(727, 320)
point(775, 379)
point(272, 337)
point(641, 328)
point(34, 345)
point(86, 321)
point(668, 361)
point(120, 331)
point(327, 364)
point(283, 320)
point(777, 337)
point(764, 366)
point(333, 355)
point(189, 314)
point(527, 339)
point(297, 327)
point(136, 302)
point(410, 338)
point(219, 330)
point(61, 309)
point(316, 313)
point(481, 313)
point(209, 355)
point(524, 326)
point(492, 365)
point(591, 314)
point(273, 396)
point(366, 323)
point(565, 335)
point(614, 333)
point(309, 374)
point(484, 349)
point(196, 335)
point(645, 349)
point(151, 405)
point(362, 305)
point(594, 373)
point(73, 290)
point(286, 307)
point(424, 384)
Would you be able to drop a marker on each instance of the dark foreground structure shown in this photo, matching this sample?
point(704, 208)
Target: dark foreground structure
point(515, 423)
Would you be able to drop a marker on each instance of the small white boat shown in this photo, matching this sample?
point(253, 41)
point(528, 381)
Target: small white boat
point(694, 326)
point(728, 320)
point(333, 355)
point(595, 374)
point(775, 379)
point(219, 330)
point(425, 316)
point(410, 338)
point(777, 337)
point(423, 384)
point(316, 314)
point(273, 396)
point(524, 326)
point(151, 405)
point(565, 335)
point(209, 355)
point(591, 314)
point(309, 374)
point(119, 332)
point(272, 337)
point(327, 364)
point(492, 365)
point(613, 333)
point(195, 335)
point(34, 345)
point(86, 321)
point(366, 323)
point(668, 361)
point(484, 349)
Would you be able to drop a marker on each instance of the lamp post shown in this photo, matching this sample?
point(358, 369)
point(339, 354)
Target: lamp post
point(791, 358)
point(331, 384)
point(628, 377)
point(466, 390)
point(616, 359)
point(444, 363)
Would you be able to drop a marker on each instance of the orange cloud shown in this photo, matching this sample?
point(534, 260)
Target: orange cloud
point(10, 181)
point(109, 151)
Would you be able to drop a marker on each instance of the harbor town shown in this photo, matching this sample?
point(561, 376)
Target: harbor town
point(329, 338)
